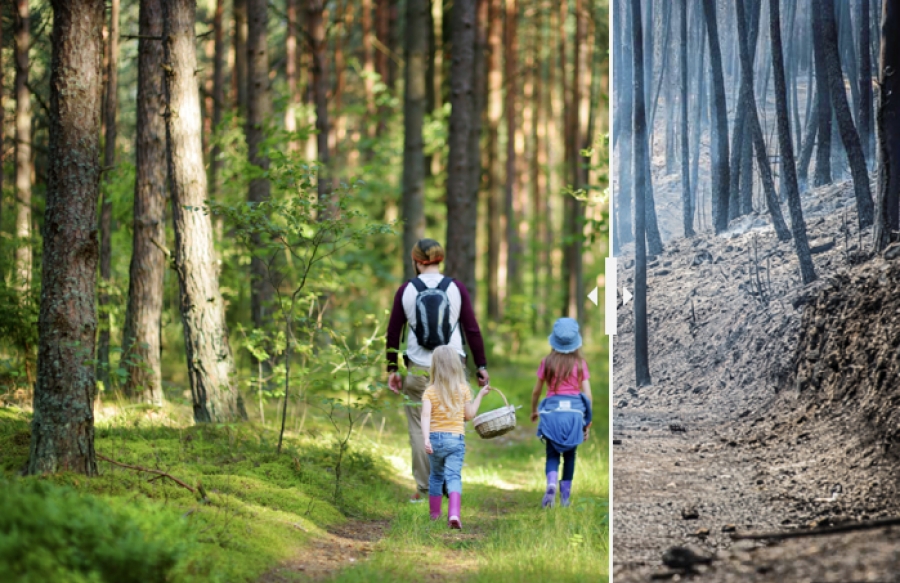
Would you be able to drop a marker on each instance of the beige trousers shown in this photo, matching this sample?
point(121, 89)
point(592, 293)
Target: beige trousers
point(414, 384)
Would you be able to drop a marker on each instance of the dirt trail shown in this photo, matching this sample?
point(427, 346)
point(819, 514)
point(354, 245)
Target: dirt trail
point(726, 439)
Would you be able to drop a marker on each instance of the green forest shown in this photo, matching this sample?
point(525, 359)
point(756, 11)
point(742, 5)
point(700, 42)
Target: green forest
point(206, 209)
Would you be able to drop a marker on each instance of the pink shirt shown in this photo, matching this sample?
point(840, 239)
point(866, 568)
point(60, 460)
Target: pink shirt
point(567, 386)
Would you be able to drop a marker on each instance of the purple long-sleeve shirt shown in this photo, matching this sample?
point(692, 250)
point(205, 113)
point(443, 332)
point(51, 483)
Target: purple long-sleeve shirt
point(404, 309)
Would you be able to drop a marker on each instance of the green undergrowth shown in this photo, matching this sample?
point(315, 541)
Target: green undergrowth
point(251, 509)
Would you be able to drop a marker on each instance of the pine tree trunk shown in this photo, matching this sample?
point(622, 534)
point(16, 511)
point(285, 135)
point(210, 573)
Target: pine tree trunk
point(317, 39)
point(461, 207)
point(823, 111)
point(368, 64)
point(697, 130)
point(239, 75)
point(789, 171)
point(826, 36)
point(210, 364)
point(218, 94)
point(479, 94)
point(62, 430)
point(141, 348)
point(290, 67)
point(495, 200)
point(720, 170)
point(687, 210)
point(574, 213)
point(865, 81)
point(510, 57)
point(759, 145)
point(641, 186)
point(887, 124)
point(22, 280)
point(106, 220)
point(2, 122)
point(259, 109)
point(413, 119)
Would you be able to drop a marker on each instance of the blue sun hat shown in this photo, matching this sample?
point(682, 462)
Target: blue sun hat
point(565, 337)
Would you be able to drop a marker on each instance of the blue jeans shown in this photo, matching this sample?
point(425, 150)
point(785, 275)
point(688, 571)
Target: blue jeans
point(448, 451)
point(552, 464)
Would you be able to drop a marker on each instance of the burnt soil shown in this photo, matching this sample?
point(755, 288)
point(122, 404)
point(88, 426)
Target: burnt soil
point(773, 406)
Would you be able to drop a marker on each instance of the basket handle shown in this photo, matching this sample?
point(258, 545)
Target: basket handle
point(499, 391)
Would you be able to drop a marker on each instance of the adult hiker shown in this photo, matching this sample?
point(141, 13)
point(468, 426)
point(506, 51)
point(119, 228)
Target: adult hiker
point(437, 311)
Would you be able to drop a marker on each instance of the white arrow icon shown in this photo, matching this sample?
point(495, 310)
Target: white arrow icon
point(626, 296)
point(593, 296)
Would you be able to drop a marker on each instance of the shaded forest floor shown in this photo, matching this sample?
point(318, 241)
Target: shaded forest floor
point(753, 423)
point(273, 518)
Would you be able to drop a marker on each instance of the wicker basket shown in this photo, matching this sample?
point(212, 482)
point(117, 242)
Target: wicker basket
point(496, 422)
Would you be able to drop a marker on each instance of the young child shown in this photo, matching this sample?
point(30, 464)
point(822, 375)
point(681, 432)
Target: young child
point(446, 404)
point(565, 414)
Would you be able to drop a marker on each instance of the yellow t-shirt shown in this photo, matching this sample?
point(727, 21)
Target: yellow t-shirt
point(441, 422)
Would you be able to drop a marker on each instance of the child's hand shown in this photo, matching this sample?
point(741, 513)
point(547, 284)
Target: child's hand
point(587, 432)
point(485, 390)
point(428, 446)
point(534, 416)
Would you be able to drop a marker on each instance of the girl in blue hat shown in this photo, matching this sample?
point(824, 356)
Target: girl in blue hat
point(565, 413)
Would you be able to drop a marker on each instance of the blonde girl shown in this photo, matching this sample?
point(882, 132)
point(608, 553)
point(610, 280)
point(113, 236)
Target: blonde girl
point(446, 404)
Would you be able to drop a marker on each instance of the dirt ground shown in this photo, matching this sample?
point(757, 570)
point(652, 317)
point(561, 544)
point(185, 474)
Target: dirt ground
point(754, 422)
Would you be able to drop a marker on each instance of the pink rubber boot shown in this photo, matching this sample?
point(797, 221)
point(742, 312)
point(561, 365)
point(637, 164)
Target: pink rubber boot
point(453, 510)
point(434, 506)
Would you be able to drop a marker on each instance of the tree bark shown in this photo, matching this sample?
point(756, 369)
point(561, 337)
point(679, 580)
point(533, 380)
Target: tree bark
point(215, 164)
point(141, 348)
point(317, 40)
point(495, 200)
point(239, 75)
point(788, 169)
point(687, 210)
point(209, 359)
point(759, 145)
point(623, 125)
point(510, 50)
point(461, 210)
point(479, 94)
point(22, 38)
point(823, 110)
point(413, 118)
point(887, 124)
point(720, 170)
point(641, 186)
point(259, 109)
point(865, 81)
point(826, 36)
point(740, 205)
point(574, 213)
point(290, 113)
point(62, 430)
point(106, 220)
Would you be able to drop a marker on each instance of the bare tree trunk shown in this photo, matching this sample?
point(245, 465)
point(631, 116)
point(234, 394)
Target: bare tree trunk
point(413, 119)
point(479, 94)
point(789, 171)
point(622, 130)
point(720, 170)
point(865, 81)
point(823, 111)
point(62, 430)
point(210, 364)
point(823, 17)
point(574, 213)
point(687, 210)
point(887, 124)
point(495, 200)
point(239, 75)
point(23, 149)
point(106, 220)
point(368, 64)
point(290, 55)
point(461, 207)
point(218, 94)
point(317, 39)
point(510, 49)
point(259, 109)
point(762, 157)
point(382, 37)
point(641, 186)
point(740, 205)
point(141, 348)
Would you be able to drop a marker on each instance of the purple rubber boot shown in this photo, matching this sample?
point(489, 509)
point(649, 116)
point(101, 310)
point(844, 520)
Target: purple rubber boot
point(434, 506)
point(565, 490)
point(453, 510)
point(550, 495)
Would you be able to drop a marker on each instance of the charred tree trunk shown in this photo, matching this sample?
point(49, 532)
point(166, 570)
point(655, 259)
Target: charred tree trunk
point(623, 128)
point(720, 171)
point(106, 220)
point(259, 109)
point(826, 36)
point(461, 209)
point(141, 348)
point(887, 123)
point(23, 148)
point(865, 81)
point(641, 186)
point(62, 430)
point(789, 171)
point(740, 205)
point(209, 360)
point(823, 111)
point(413, 119)
point(687, 209)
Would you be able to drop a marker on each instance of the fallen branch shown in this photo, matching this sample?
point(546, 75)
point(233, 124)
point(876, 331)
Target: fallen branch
point(856, 526)
point(159, 473)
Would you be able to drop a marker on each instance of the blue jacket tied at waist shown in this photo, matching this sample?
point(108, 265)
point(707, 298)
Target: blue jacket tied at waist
point(563, 419)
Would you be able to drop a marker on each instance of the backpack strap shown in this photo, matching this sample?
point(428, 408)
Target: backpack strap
point(445, 283)
point(418, 284)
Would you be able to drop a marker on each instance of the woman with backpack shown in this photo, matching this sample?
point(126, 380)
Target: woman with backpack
point(437, 311)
